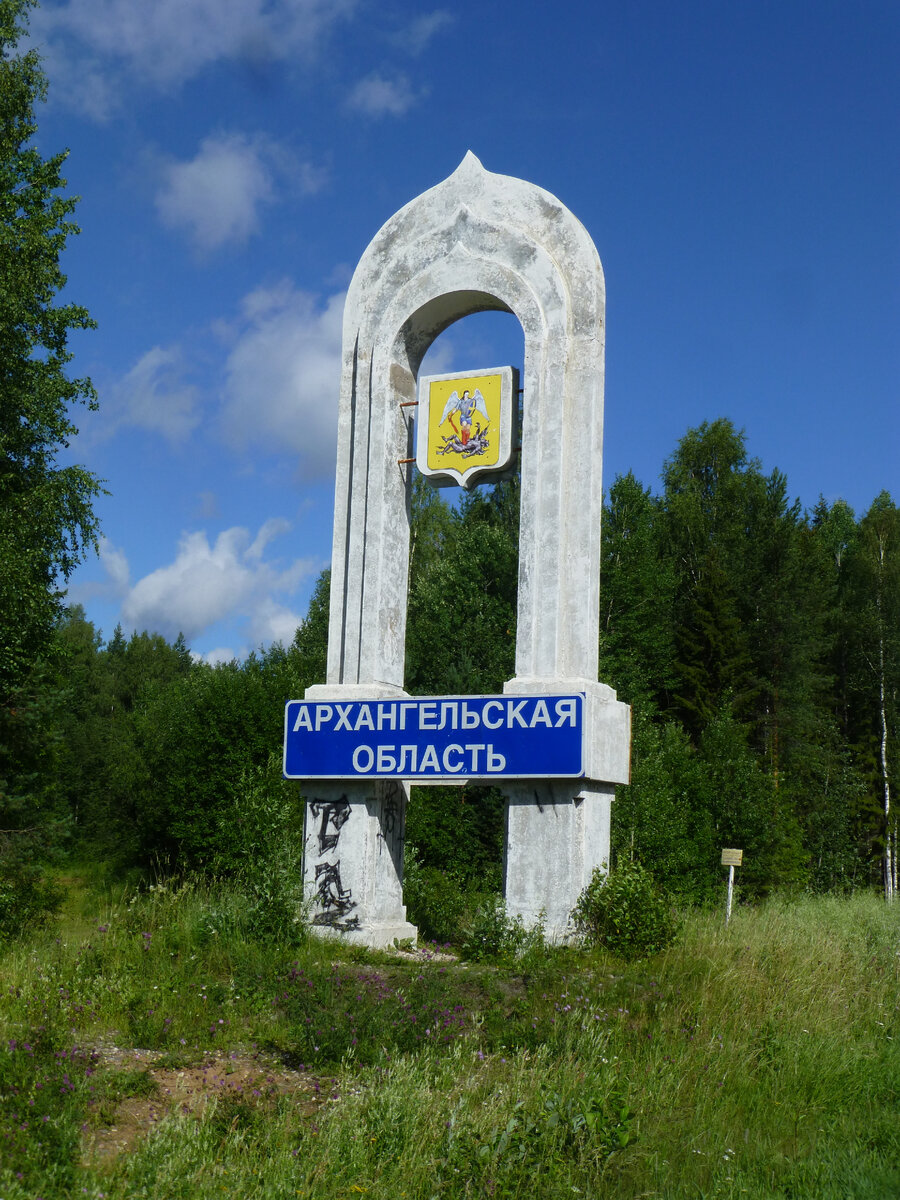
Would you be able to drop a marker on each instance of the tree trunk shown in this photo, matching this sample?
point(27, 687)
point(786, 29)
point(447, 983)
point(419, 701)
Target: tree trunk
point(890, 863)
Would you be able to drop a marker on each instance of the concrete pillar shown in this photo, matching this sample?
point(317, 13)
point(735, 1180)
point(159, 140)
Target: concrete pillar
point(556, 833)
point(353, 863)
point(353, 846)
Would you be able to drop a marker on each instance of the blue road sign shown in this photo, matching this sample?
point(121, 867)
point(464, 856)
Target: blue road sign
point(442, 739)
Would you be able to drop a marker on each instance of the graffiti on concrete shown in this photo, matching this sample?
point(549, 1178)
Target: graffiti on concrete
point(390, 813)
point(390, 832)
point(334, 899)
point(333, 813)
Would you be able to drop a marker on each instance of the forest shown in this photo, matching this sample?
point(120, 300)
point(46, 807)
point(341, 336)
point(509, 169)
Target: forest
point(759, 646)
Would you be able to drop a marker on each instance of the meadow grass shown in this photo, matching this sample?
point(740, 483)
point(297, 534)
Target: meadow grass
point(755, 1061)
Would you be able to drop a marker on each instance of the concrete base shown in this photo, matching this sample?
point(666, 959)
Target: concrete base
point(353, 862)
point(376, 937)
point(556, 834)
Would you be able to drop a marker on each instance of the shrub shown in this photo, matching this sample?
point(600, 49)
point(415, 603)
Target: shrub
point(494, 936)
point(435, 900)
point(626, 913)
point(29, 898)
point(441, 903)
point(261, 832)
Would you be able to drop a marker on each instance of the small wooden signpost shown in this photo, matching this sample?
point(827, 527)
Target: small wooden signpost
point(731, 859)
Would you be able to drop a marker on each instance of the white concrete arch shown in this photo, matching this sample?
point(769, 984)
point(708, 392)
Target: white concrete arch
point(477, 241)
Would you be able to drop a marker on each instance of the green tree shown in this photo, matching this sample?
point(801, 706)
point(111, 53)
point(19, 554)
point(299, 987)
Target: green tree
point(310, 643)
point(705, 500)
point(637, 578)
point(835, 532)
point(100, 765)
point(660, 818)
point(47, 522)
point(430, 527)
point(83, 714)
point(461, 633)
point(198, 738)
point(461, 622)
point(741, 797)
point(754, 595)
point(805, 741)
point(873, 568)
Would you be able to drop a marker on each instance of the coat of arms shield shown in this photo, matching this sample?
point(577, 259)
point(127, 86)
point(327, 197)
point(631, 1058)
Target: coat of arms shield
point(465, 425)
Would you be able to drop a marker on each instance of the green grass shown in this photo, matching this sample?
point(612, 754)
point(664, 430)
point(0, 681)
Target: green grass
point(757, 1061)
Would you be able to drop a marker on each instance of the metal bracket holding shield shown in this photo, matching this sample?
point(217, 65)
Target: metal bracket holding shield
point(465, 425)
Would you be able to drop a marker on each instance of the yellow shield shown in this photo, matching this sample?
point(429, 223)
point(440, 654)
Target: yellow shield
point(465, 424)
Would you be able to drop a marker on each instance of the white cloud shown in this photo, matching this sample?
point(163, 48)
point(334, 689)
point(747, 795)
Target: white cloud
point(273, 622)
point(283, 376)
point(269, 530)
point(115, 563)
point(280, 382)
point(415, 38)
point(378, 96)
point(94, 48)
point(153, 396)
point(115, 567)
point(217, 195)
point(222, 654)
point(229, 580)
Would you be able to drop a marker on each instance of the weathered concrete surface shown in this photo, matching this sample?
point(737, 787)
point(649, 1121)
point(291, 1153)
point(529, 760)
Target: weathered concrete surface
point(353, 849)
point(477, 241)
point(556, 833)
point(356, 883)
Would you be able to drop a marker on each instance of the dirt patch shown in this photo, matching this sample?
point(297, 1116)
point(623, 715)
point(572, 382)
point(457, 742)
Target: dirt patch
point(186, 1092)
point(423, 954)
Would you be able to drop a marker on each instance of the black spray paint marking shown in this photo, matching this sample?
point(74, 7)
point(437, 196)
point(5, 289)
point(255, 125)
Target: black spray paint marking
point(334, 898)
point(390, 812)
point(335, 813)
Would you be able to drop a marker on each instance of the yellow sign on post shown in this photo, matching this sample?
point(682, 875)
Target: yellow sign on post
point(465, 425)
point(731, 859)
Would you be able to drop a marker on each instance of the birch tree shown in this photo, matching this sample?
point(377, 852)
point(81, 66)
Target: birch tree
point(877, 617)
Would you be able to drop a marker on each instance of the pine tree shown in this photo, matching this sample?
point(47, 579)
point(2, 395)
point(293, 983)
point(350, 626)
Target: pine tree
point(706, 505)
point(637, 578)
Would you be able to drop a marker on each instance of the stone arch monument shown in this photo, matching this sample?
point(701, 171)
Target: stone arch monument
point(477, 241)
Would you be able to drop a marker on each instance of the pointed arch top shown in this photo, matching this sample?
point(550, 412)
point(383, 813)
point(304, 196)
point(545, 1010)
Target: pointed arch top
point(476, 241)
point(475, 214)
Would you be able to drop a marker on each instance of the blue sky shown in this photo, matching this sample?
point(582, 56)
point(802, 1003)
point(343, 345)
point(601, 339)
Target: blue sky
point(736, 164)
